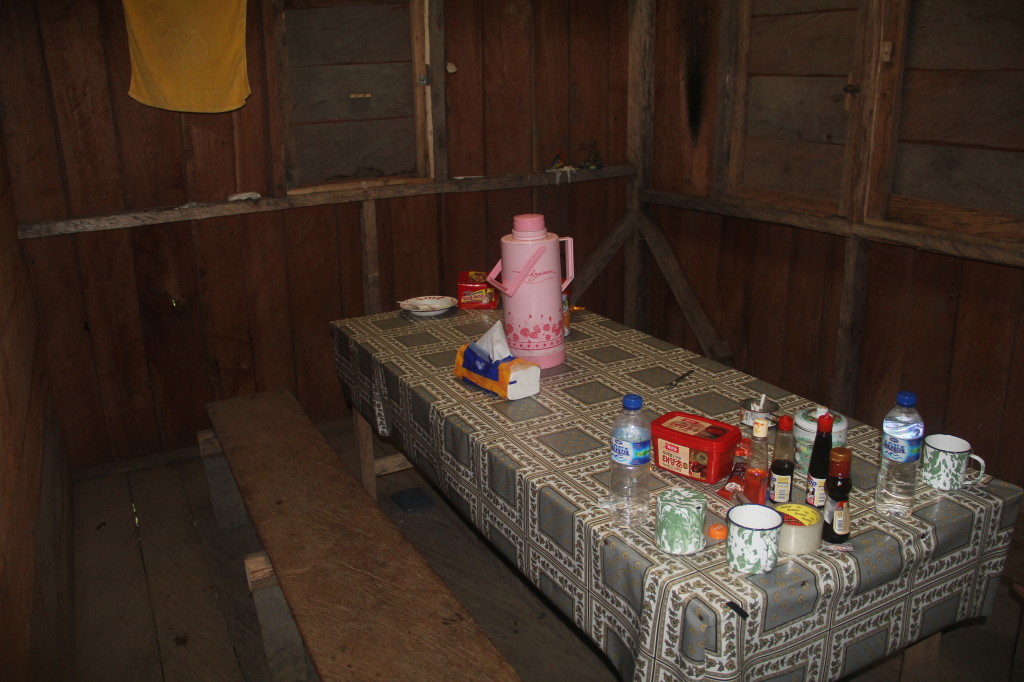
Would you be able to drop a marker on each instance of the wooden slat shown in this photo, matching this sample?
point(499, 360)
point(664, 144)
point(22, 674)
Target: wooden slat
point(370, 257)
point(711, 344)
point(334, 571)
point(190, 627)
point(114, 627)
point(849, 339)
point(314, 292)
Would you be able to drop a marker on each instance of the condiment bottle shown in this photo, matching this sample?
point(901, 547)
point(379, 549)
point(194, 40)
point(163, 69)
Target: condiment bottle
point(817, 469)
point(755, 480)
point(836, 529)
point(780, 478)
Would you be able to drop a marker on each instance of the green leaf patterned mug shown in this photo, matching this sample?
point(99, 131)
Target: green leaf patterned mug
point(680, 521)
point(944, 464)
point(753, 542)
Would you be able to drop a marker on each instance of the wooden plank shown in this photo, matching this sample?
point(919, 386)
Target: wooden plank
point(225, 500)
point(169, 302)
point(219, 247)
point(143, 134)
point(850, 335)
point(437, 130)
point(37, 186)
point(365, 465)
point(210, 147)
point(225, 552)
point(983, 179)
point(770, 290)
point(984, 249)
point(795, 168)
point(712, 345)
point(77, 77)
point(114, 628)
point(973, 108)
point(290, 477)
point(361, 33)
point(319, 197)
point(266, 299)
point(286, 654)
point(974, 408)
point(416, 247)
point(982, 34)
point(958, 219)
point(314, 292)
point(53, 621)
point(190, 627)
point(350, 259)
point(551, 105)
point(797, 109)
point(803, 43)
point(920, 658)
point(106, 264)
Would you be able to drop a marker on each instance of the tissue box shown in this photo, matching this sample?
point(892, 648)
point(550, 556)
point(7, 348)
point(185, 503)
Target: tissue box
point(511, 378)
point(474, 291)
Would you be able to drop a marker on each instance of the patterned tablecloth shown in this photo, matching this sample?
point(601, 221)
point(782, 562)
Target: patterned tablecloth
point(530, 475)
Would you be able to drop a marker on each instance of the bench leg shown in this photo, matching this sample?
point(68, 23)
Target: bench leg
point(286, 654)
point(228, 506)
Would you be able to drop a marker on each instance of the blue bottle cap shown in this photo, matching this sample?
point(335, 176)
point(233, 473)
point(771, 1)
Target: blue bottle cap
point(906, 399)
point(631, 401)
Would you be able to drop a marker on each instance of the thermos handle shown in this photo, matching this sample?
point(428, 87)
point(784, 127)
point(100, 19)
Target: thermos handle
point(570, 268)
point(527, 269)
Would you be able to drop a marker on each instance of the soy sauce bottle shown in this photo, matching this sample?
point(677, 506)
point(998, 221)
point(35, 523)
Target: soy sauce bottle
point(837, 505)
point(817, 469)
point(780, 479)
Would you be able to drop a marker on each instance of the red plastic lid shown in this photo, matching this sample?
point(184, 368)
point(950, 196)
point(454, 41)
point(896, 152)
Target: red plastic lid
point(825, 423)
point(785, 423)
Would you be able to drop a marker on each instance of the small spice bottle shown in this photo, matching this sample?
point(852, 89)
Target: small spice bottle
point(836, 528)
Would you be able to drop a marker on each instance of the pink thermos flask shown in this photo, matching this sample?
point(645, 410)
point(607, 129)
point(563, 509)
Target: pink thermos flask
point(532, 290)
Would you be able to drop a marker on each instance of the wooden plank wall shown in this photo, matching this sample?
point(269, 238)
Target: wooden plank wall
point(951, 329)
point(35, 510)
point(146, 325)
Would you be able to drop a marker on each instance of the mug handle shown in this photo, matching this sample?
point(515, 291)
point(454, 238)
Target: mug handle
point(981, 470)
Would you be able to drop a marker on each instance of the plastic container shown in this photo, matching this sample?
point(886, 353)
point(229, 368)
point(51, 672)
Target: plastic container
point(902, 435)
point(805, 426)
point(694, 446)
point(629, 483)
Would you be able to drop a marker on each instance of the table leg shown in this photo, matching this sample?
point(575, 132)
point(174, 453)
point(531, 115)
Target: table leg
point(367, 469)
point(919, 660)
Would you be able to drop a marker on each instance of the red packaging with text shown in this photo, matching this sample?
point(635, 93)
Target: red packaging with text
point(474, 291)
point(693, 446)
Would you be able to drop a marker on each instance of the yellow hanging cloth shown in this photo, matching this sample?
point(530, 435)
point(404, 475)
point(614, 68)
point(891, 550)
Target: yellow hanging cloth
point(188, 55)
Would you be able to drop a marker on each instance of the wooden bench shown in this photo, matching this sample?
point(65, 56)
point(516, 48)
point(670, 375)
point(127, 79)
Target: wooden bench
point(364, 600)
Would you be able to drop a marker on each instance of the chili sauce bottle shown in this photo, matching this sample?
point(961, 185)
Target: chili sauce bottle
point(836, 528)
point(755, 479)
point(817, 468)
point(780, 478)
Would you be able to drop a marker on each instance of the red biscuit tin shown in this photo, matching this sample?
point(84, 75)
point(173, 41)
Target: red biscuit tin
point(474, 291)
point(694, 446)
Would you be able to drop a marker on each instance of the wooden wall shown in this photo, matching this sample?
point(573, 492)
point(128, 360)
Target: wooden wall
point(35, 515)
point(145, 325)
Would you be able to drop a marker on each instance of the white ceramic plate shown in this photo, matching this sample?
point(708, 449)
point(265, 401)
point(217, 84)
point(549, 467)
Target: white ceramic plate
point(425, 306)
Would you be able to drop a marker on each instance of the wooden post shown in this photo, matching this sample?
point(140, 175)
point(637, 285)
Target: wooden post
point(850, 338)
point(371, 258)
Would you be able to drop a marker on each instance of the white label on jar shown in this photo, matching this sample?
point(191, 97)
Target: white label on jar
point(838, 514)
point(901, 449)
point(779, 488)
point(816, 491)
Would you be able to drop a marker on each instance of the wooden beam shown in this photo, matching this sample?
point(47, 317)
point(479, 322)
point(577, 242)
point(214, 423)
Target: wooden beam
point(850, 339)
point(974, 247)
point(371, 260)
point(615, 238)
point(710, 343)
point(639, 151)
point(339, 195)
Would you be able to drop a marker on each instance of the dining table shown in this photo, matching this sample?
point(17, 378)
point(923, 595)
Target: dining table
point(532, 476)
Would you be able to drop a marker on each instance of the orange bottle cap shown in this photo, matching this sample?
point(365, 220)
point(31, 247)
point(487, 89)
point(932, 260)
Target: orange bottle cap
point(718, 531)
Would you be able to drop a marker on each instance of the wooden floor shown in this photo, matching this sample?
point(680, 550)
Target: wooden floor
point(161, 592)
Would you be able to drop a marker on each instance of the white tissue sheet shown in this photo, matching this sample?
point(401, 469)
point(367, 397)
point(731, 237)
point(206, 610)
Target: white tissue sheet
point(495, 343)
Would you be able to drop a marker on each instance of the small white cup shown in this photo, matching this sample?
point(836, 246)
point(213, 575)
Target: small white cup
point(944, 464)
point(753, 542)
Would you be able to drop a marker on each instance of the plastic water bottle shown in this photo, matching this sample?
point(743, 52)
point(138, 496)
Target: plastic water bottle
point(902, 433)
point(631, 464)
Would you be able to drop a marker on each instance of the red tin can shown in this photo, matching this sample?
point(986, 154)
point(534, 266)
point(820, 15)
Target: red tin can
point(694, 446)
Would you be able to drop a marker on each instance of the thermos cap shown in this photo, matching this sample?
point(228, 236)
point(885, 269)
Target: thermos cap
point(529, 226)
